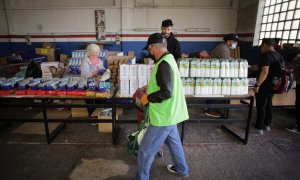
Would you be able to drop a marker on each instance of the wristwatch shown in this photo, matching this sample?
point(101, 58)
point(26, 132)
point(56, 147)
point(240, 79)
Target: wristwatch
point(256, 85)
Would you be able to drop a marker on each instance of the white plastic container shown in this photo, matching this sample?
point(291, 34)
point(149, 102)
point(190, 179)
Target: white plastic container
point(202, 68)
point(193, 68)
point(207, 68)
point(226, 86)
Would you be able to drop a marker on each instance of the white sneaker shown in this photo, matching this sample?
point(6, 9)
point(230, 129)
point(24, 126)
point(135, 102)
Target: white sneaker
point(267, 128)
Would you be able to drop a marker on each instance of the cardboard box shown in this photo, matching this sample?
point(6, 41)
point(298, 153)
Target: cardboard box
point(115, 53)
point(142, 71)
point(49, 52)
point(124, 71)
point(107, 127)
point(143, 82)
point(133, 86)
point(63, 58)
point(3, 61)
point(131, 53)
point(150, 69)
point(133, 71)
point(124, 87)
point(79, 112)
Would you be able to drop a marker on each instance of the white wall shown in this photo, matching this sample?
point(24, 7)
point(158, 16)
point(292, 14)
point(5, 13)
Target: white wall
point(67, 16)
point(247, 16)
point(3, 23)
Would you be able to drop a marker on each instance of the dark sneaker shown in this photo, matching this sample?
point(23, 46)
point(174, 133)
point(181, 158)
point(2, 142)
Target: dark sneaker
point(172, 169)
point(293, 129)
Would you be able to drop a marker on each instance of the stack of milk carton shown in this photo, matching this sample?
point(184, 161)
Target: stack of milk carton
point(214, 76)
point(132, 77)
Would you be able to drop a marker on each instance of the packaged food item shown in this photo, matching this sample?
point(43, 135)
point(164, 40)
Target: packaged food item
point(226, 86)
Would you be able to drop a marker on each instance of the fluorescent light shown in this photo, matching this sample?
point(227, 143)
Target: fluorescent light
point(197, 29)
point(146, 29)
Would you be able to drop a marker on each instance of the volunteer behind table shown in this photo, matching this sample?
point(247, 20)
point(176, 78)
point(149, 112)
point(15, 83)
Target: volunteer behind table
point(268, 67)
point(167, 108)
point(173, 43)
point(92, 66)
point(222, 51)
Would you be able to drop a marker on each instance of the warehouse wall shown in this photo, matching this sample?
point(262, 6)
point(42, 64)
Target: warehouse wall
point(246, 25)
point(71, 22)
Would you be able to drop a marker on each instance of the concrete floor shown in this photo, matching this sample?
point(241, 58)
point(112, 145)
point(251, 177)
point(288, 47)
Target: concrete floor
point(80, 152)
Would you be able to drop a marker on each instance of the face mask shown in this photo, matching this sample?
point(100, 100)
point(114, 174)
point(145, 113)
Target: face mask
point(233, 46)
point(152, 57)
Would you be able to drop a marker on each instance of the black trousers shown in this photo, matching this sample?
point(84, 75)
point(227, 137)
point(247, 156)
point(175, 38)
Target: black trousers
point(264, 109)
point(298, 105)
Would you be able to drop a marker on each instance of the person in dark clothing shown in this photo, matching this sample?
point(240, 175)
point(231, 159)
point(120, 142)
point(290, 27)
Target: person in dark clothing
point(172, 43)
point(263, 88)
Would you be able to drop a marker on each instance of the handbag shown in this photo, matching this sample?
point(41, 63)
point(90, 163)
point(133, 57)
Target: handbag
point(134, 139)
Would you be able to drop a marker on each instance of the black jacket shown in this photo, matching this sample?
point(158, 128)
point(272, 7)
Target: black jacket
point(164, 81)
point(174, 46)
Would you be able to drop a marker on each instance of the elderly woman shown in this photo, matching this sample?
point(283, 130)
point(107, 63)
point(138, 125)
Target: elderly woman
point(92, 66)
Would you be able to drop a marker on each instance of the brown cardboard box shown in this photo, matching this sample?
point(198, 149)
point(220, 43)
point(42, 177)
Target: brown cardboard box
point(79, 112)
point(107, 127)
point(49, 52)
point(3, 61)
point(63, 58)
point(131, 53)
point(115, 53)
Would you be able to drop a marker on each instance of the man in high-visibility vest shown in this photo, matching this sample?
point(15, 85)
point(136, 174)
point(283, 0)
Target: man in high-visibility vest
point(167, 108)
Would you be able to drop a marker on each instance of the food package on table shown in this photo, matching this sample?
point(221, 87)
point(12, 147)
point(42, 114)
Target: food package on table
point(24, 83)
point(52, 92)
point(62, 93)
point(21, 92)
point(91, 93)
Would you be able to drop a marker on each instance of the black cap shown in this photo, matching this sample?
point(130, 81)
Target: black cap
point(231, 36)
point(154, 39)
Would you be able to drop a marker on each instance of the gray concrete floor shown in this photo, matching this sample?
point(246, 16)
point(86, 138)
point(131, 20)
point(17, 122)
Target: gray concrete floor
point(81, 152)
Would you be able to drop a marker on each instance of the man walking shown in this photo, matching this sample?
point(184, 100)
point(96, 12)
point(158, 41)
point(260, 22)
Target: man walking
point(167, 108)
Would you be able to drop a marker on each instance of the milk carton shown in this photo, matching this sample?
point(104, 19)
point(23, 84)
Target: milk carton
point(243, 68)
point(198, 72)
point(226, 86)
point(224, 69)
point(212, 68)
point(198, 87)
point(202, 65)
point(207, 68)
point(216, 87)
point(234, 85)
point(184, 67)
point(193, 68)
point(192, 86)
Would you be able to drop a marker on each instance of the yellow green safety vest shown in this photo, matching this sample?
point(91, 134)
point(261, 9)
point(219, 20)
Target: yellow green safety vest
point(173, 110)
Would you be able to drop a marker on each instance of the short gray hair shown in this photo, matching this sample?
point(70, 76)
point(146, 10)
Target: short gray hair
point(92, 48)
point(161, 45)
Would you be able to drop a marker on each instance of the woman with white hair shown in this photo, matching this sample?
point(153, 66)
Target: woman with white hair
point(92, 66)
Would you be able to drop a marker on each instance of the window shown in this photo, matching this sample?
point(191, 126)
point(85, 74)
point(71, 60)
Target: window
point(280, 19)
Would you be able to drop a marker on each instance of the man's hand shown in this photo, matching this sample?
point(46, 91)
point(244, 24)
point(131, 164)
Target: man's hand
point(256, 89)
point(144, 100)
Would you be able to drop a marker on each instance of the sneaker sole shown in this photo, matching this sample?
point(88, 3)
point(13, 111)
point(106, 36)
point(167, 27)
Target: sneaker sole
point(210, 115)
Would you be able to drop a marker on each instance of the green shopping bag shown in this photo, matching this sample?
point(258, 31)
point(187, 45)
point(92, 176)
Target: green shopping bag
point(134, 139)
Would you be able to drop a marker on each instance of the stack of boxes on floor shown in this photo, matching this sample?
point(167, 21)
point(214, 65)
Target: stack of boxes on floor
point(214, 76)
point(133, 77)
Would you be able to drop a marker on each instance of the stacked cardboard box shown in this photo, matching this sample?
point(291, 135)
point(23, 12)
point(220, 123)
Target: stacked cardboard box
point(45, 67)
point(49, 52)
point(113, 65)
point(133, 77)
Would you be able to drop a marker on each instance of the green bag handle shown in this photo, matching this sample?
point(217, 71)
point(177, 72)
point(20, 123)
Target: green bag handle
point(132, 149)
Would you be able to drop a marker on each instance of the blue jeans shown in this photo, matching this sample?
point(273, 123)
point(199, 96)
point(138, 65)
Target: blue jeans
point(154, 137)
